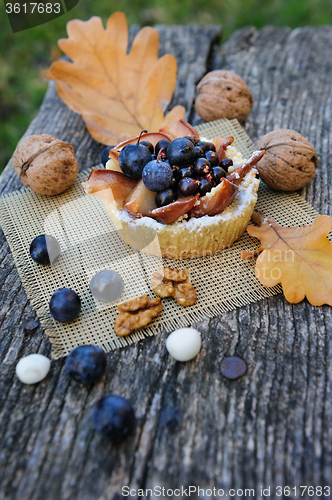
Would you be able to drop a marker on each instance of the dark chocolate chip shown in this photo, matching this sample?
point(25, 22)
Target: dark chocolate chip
point(32, 326)
point(233, 368)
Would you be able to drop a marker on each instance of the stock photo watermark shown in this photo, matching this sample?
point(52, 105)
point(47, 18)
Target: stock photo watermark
point(26, 14)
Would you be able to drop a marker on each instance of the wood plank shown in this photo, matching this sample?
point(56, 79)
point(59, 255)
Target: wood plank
point(271, 428)
point(46, 433)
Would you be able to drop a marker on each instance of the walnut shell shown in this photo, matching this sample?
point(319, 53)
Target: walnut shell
point(290, 161)
point(223, 94)
point(45, 164)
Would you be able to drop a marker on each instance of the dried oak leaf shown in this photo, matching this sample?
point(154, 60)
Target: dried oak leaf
point(298, 257)
point(117, 94)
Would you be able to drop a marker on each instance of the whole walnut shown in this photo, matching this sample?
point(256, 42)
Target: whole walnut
point(223, 94)
point(45, 164)
point(290, 161)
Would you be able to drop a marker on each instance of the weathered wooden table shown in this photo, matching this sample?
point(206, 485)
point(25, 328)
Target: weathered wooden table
point(270, 429)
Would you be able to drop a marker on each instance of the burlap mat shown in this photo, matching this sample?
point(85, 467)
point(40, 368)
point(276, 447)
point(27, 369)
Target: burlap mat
point(90, 243)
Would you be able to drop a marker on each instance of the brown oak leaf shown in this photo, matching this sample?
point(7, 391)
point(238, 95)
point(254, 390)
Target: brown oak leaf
point(298, 257)
point(117, 94)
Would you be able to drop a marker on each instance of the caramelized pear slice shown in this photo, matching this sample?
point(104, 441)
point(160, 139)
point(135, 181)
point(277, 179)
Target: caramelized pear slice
point(216, 201)
point(221, 144)
point(181, 128)
point(170, 213)
point(237, 175)
point(140, 202)
point(113, 162)
point(109, 185)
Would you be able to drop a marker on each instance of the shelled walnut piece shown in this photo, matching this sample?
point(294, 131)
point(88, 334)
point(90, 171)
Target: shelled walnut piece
point(167, 282)
point(135, 313)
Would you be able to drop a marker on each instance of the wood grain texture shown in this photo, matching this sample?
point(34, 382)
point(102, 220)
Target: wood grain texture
point(271, 428)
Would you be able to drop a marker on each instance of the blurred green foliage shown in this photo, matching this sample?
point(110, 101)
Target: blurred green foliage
point(26, 55)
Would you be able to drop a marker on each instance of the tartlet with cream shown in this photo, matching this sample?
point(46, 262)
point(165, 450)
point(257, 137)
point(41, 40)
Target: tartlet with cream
point(191, 226)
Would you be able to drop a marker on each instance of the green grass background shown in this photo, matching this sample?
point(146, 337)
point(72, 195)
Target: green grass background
point(26, 55)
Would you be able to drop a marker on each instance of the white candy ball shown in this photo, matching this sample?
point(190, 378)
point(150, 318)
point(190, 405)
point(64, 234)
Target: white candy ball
point(33, 368)
point(184, 344)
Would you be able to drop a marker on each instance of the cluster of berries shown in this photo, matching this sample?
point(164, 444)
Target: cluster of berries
point(182, 167)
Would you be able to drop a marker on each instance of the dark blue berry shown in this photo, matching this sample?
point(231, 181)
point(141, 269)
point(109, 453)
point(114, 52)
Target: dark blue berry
point(148, 145)
point(226, 163)
point(204, 145)
point(165, 197)
point(199, 152)
point(201, 167)
point(157, 175)
point(211, 146)
point(212, 158)
point(184, 172)
point(191, 138)
point(86, 364)
point(113, 417)
point(153, 157)
point(181, 152)
point(217, 174)
point(188, 186)
point(205, 186)
point(65, 305)
point(161, 145)
point(105, 155)
point(132, 160)
point(45, 249)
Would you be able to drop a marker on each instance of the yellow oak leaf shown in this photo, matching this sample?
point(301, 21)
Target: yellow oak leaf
point(300, 258)
point(117, 94)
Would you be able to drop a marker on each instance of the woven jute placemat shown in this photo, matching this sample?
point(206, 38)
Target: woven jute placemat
point(90, 243)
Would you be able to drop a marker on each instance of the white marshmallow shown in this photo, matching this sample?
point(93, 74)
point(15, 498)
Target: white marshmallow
point(33, 368)
point(184, 344)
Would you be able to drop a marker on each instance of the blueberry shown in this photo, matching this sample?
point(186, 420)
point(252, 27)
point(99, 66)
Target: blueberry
point(132, 160)
point(105, 155)
point(181, 152)
point(217, 174)
point(161, 145)
point(201, 167)
point(212, 158)
point(165, 197)
point(211, 146)
point(188, 186)
point(157, 175)
point(226, 163)
point(205, 186)
point(184, 172)
point(148, 145)
point(106, 285)
point(45, 249)
point(86, 364)
point(113, 417)
point(199, 152)
point(65, 305)
point(204, 145)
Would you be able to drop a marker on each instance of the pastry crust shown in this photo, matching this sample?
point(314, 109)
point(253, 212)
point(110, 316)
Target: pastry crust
point(196, 237)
